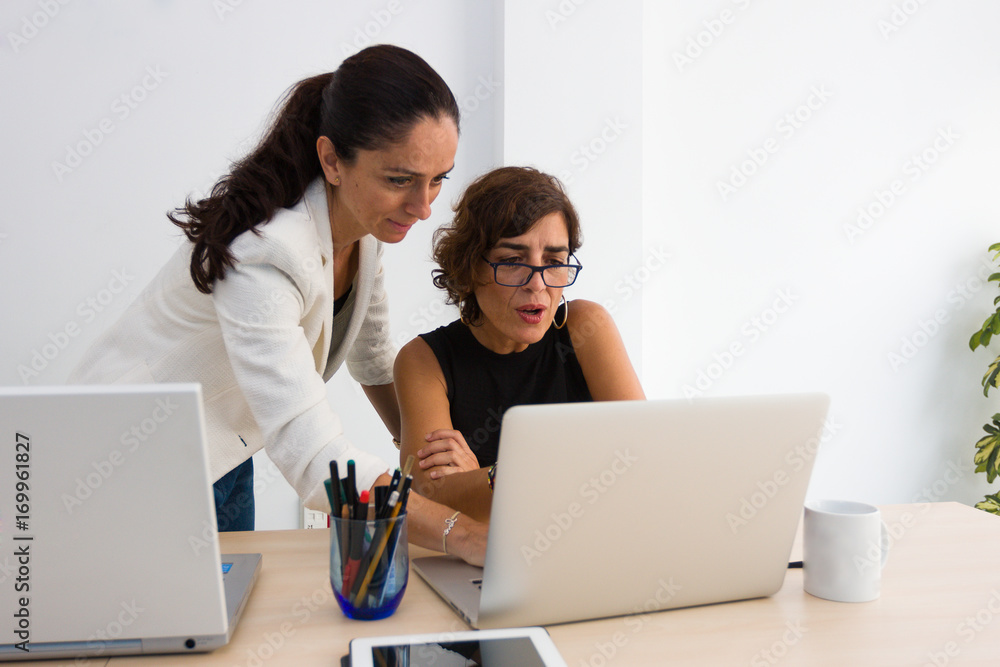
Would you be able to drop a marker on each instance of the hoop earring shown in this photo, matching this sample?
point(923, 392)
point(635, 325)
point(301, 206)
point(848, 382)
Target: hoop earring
point(565, 307)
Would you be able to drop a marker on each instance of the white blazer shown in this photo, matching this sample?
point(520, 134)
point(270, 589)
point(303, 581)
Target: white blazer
point(260, 345)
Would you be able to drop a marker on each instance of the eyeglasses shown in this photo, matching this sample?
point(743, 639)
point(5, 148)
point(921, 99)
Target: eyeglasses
point(512, 274)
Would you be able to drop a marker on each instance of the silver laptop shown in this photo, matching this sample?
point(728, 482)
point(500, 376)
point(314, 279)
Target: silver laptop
point(612, 508)
point(108, 542)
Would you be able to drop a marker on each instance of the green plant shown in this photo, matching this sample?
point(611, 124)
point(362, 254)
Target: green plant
point(987, 457)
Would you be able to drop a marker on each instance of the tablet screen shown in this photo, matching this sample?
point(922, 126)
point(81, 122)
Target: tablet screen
point(484, 652)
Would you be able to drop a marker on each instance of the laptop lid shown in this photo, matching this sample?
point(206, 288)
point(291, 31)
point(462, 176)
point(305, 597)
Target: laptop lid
point(108, 541)
point(611, 508)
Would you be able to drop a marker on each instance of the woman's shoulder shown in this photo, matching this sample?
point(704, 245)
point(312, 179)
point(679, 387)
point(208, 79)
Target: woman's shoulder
point(415, 357)
point(289, 241)
point(584, 314)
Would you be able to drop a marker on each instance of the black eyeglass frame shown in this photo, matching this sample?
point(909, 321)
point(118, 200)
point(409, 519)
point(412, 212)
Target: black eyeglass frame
point(536, 269)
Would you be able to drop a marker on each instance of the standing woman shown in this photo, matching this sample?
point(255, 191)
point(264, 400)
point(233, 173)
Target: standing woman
point(281, 279)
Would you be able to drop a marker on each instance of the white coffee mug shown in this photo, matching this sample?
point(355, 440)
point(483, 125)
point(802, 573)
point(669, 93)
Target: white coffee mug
point(845, 546)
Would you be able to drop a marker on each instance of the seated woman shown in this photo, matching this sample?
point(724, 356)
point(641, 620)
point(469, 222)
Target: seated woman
point(504, 261)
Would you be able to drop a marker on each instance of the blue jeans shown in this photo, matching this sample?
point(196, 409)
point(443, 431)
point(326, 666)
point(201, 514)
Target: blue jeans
point(234, 505)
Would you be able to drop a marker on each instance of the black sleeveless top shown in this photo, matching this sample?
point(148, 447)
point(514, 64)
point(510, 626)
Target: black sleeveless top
point(483, 384)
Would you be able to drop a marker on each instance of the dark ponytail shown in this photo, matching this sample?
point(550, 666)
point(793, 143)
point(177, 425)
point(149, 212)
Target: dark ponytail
point(371, 101)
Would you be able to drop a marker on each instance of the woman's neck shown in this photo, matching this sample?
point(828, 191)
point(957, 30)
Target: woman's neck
point(343, 228)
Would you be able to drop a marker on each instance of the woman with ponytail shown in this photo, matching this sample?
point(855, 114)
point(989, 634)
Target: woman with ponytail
point(280, 281)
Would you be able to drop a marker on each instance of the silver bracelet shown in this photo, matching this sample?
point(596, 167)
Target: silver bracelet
point(449, 524)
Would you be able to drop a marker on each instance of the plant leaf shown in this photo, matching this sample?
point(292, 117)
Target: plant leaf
point(990, 504)
point(990, 379)
point(986, 458)
point(974, 341)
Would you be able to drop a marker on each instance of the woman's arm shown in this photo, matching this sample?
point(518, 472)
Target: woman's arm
point(447, 471)
point(426, 525)
point(601, 353)
point(383, 399)
point(425, 520)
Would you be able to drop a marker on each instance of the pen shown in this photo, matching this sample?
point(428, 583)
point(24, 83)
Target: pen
point(351, 490)
point(335, 492)
point(328, 485)
point(345, 537)
point(355, 538)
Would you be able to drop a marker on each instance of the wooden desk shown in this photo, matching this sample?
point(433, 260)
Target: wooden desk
point(940, 605)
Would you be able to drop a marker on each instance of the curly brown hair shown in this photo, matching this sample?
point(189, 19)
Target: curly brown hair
point(502, 203)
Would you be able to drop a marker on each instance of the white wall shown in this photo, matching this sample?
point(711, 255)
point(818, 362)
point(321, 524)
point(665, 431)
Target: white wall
point(590, 91)
point(199, 79)
point(840, 103)
point(573, 108)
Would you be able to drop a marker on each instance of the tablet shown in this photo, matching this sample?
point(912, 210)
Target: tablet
point(525, 647)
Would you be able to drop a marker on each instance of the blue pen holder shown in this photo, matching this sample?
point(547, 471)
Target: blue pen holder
point(369, 565)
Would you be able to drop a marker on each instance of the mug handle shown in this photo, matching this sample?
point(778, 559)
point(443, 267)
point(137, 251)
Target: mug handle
point(885, 543)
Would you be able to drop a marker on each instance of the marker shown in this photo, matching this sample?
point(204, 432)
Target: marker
point(351, 490)
point(361, 510)
point(336, 493)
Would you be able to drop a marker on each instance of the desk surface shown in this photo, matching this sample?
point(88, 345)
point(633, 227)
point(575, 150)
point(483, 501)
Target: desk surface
point(940, 605)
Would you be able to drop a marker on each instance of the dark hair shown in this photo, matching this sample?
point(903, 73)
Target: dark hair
point(501, 204)
point(371, 101)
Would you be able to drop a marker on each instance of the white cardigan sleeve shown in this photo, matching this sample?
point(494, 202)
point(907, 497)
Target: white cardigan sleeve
point(260, 308)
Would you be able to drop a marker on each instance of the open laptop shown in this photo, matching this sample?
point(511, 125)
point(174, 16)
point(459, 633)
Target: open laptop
point(612, 508)
point(108, 542)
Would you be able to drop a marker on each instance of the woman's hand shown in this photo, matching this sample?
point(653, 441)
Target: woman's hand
point(446, 454)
